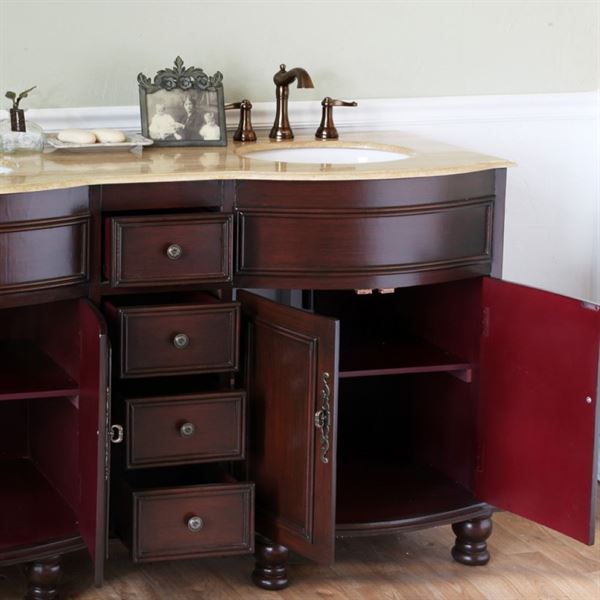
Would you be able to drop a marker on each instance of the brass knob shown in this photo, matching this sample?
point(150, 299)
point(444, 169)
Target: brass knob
point(181, 341)
point(195, 524)
point(187, 430)
point(174, 251)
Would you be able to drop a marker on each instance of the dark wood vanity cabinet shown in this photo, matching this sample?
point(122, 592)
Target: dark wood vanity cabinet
point(393, 381)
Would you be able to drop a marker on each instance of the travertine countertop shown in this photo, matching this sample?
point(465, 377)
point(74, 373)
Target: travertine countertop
point(70, 169)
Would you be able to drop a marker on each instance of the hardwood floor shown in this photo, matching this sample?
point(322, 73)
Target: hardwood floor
point(528, 561)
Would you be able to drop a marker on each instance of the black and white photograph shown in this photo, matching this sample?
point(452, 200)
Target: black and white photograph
point(183, 107)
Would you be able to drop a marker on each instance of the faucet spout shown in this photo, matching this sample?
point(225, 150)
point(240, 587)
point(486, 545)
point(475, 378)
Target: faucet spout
point(283, 77)
point(281, 129)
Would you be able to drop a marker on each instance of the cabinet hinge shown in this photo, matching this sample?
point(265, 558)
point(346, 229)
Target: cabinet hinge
point(107, 435)
point(485, 322)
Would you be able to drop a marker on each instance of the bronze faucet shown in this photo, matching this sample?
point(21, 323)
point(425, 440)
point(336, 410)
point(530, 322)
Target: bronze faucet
point(281, 129)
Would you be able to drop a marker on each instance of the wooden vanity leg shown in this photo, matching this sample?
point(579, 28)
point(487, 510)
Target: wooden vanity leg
point(470, 547)
point(43, 577)
point(270, 572)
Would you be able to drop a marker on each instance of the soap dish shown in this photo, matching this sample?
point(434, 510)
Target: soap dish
point(133, 141)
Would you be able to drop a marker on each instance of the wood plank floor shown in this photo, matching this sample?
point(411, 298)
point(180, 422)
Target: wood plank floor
point(528, 561)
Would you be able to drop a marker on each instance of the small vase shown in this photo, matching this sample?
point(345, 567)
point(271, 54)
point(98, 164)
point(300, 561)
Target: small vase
point(17, 135)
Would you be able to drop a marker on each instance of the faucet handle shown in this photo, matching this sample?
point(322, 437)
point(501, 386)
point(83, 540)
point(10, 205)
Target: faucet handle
point(327, 129)
point(334, 102)
point(244, 131)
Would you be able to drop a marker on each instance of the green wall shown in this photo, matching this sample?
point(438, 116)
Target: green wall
point(88, 53)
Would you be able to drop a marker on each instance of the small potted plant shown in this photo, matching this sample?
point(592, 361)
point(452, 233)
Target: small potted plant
point(17, 115)
point(16, 134)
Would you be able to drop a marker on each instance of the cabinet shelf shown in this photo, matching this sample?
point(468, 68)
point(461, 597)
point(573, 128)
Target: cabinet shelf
point(376, 498)
point(27, 372)
point(32, 512)
point(370, 358)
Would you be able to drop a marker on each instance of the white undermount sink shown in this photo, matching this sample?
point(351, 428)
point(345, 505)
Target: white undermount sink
point(333, 155)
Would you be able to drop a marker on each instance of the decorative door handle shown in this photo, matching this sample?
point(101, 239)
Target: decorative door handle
point(116, 434)
point(323, 418)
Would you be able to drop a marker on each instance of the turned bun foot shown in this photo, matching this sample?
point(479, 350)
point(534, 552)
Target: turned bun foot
point(470, 547)
point(270, 572)
point(43, 577)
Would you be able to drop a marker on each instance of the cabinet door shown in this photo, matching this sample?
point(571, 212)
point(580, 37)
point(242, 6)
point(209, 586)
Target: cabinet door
point(291, 377)
point(539, 377)
point(93, 444)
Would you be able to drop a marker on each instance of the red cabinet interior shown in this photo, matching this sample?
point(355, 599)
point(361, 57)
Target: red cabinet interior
point(461, 393)
point(52, 417)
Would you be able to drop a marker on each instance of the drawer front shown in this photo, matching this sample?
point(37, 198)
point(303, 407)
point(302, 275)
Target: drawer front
point(169, 249)
point(43, 254)
point(179, 340)
point(194, 521)
point(279, 245)
point(185, 429)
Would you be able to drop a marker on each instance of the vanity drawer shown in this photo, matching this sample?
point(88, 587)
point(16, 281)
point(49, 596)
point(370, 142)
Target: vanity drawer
point(177, 339)
point(45, 254)
point(191, 521)
point(173, 430)
point(168, 249)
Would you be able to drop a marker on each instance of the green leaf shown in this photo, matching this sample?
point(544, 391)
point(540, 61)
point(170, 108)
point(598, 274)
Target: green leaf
point(10, 95)
point(25, 93)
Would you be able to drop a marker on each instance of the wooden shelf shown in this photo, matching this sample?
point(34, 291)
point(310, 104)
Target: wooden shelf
point(375, 497)
point(360, 358)
point(26, 372)
point(32, 512)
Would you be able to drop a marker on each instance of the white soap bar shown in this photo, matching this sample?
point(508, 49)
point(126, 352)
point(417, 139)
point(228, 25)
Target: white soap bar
point(109, 136)
point(77, 136)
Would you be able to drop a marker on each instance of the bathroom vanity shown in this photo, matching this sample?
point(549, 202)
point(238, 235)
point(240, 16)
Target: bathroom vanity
point(196, 344)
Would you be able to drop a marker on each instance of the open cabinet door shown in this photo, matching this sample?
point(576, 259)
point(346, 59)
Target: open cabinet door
point(93, 435)
point(539, 392)
point(291, 377)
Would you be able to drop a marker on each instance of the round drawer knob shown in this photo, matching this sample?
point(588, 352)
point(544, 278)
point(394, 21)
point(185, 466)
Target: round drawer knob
point(195, 524)
point(187, 430)
point(174, 251)
point(180, 341)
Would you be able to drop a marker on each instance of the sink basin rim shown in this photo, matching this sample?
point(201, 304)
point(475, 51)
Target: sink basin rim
point(329, 147)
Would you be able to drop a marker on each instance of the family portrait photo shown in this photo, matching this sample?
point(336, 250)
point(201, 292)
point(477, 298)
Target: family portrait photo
point(183, 107)
point(183, 116)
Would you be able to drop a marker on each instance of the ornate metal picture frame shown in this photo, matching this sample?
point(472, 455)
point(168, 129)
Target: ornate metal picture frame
point(183, 106)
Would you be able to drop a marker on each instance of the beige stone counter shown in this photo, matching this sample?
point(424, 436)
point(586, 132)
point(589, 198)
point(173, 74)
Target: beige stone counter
point(60, 169)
